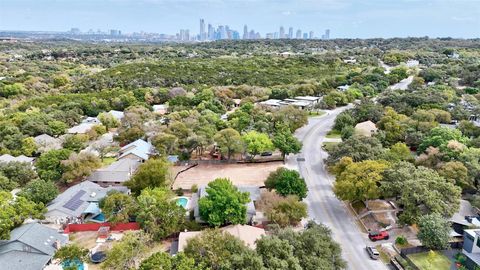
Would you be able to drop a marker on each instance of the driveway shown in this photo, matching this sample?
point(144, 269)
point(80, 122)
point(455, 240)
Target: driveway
point(323, 206)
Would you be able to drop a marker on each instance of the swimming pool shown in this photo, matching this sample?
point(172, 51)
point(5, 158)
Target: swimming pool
point(74, 263)
point(182, 201)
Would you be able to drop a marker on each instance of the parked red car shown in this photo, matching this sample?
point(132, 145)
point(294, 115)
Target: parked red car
point(376, 236)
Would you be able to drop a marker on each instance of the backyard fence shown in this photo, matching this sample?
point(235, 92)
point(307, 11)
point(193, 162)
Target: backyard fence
point(404, 252)
point(93, 227)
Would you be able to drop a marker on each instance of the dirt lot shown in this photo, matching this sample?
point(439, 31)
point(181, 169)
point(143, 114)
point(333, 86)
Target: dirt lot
point(239, 174)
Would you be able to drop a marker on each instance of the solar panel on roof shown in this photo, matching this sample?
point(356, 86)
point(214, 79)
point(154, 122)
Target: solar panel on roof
point(75, 201)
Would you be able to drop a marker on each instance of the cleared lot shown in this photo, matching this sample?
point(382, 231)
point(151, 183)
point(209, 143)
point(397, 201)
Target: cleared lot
point(239, 174)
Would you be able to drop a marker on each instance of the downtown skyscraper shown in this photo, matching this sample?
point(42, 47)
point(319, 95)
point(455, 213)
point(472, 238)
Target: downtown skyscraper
point(203, 34)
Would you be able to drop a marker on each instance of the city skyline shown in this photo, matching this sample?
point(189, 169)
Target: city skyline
point(348, 18)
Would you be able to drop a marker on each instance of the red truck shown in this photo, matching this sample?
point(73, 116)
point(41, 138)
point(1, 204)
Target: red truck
point(376, 236)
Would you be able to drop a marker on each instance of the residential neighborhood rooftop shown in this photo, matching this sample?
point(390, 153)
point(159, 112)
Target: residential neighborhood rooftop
point(30, 247)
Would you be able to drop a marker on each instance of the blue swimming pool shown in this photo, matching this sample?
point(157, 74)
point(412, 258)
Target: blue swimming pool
point(70, 264)
point(100, 217)
point(182, 201)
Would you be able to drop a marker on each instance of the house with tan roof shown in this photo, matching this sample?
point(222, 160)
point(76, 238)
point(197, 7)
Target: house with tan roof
point(248, 234)
point(367, 128)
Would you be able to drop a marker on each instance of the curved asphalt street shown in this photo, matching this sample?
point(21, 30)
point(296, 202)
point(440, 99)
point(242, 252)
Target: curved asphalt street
point(323, 206)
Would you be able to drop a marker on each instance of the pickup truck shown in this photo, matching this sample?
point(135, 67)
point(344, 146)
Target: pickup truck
point(376, 236)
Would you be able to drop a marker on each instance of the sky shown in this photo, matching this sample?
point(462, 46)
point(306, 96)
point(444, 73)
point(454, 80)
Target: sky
point(345, 18)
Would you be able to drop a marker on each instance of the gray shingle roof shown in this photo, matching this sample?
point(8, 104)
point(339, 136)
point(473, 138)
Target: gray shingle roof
point(9, 158)
point(118, 171)
point(30, 247)
point(91, 192)
point(139, 148)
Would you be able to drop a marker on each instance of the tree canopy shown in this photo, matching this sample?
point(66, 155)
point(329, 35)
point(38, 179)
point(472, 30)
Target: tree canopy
point(224, 204)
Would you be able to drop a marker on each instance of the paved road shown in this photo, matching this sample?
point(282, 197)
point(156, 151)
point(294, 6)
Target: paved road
point(323, 206)
point(403, 84)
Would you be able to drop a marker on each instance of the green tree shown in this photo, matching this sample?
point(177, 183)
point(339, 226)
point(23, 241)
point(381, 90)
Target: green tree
point(128, 252)
point(290, 117)
point(420, 191)
point(399, 152)
point(224, 204)
point(257, 143)
point(457, 173)
point(28, 146)
point(158, 214)
point(394, 125)
point(163, 261)
point(7, 184)
point(108, 120)
point(12, 89)
point(70, 254)
point(360, 180)
point(153, 173)
point(60, 80)
point(79, 166)
point(56, 128)
point(18, 172)
point(344, 119)
point(14, 211)
point(75, 142)
point(287, 182)
point(166, 143)
point(229, 141)
point(214, 249)
point(358, 148)
point(314, 247)
point(118, 207)
point(440, 137)
point(286, 143)
point(277, 253)
point(49, 166)
point(287, 212)
point(40, 191)
point(157, 261)
point(434, 231)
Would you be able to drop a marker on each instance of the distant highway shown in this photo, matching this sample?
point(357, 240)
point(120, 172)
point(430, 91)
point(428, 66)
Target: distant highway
point(323, 206)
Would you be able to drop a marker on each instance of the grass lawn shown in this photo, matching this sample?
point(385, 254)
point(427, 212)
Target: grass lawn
point(431, 260)
point(329, 145)
point(316, 113)
point(333, 134)
point(384, 257)
point(107, 161)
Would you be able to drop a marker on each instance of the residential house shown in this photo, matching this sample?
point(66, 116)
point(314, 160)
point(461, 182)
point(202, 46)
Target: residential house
point(92, 120)
point(248, 234)
point(116, 173)
point(138, 149)
point(350, 60)
point(46, 143)
point(81, 128)
point(471, 248)
point(78, 202)
point(465, 218)
point(343, 88)
point(313, 100)
point(30, 247)
point(6, 158)
point(254, 193)
point(117, 114)
point(300, 104)
point(272, 103)
point(160, 109)
point(412, 63)
point(367, 128)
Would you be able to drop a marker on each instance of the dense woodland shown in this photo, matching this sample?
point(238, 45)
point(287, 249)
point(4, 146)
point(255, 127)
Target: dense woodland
point(419, 157)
